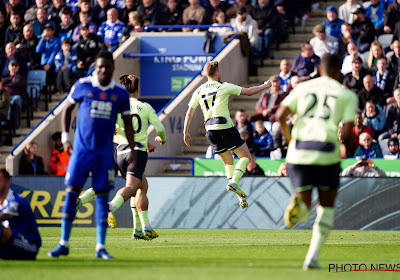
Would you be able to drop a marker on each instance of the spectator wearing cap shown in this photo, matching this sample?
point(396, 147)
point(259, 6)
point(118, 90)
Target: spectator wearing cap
point(40, 22)
point(234, 8)
point(363, 30)
point(376, 13)
point(15, 28)
point(354, 79)
point(26, 44)
point(193, 12)
point(243, 22)
point(352, 50)
point(15, 83)
point(393, 149)
point(67, 25)
point(323, 43)
point(87, 47)
point(392, 16)
point(48, 46)
point(333, 23)
point(368, 148)
point(84, 19)
point(111, 30)
point(363, 168)
point(55, 10)
point(346, 9)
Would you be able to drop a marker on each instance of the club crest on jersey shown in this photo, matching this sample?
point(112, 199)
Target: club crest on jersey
point(90, 95)
point(114, 98)
point(103, 95)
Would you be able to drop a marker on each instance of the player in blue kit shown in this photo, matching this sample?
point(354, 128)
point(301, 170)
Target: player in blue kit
point(101, 99)
point(19, 235)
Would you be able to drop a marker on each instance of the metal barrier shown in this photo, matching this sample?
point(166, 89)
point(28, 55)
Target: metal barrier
point(200, 26)
point(177, 158)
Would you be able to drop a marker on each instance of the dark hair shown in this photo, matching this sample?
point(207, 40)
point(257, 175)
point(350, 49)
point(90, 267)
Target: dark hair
point(331, 64)
point(104, 54)
point(66, 41)
point(130, 82)
point(5, 173)
point(56, 136)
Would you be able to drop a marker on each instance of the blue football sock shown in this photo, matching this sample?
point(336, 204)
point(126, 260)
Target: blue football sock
point(101, 218)
point(69, 211)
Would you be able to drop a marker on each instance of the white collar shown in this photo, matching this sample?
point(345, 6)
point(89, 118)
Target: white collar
point(9, 196)
point(96, 83)
point(287, 75)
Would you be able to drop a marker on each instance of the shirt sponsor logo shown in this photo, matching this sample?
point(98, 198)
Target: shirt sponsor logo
point(101, 109)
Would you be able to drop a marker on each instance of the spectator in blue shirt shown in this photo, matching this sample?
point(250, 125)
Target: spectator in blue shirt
point(263, 139)
point(376, 13)
point(19, 236)
point(333, 23)
point(72, 4)
point(111, 30)
point(48, 46)
point(65, 60)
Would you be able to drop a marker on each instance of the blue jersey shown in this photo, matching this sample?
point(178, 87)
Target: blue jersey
point(97, 114)
point(23, 224)
point(111, 32)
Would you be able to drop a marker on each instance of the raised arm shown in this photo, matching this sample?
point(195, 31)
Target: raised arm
point(256, 89)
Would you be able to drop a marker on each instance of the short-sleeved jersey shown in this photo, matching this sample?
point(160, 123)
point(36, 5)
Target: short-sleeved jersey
point(142, 113)
point(97, 114)
point(23, 222)
point(213, 98)
point(320, 104)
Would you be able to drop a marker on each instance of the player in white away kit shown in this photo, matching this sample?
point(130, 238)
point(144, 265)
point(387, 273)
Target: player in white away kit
point(213, 98)
point(137, 186)
point(314, 149)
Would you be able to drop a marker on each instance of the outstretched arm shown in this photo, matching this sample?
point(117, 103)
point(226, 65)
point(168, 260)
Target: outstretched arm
point(188, 119)
point(256, 89)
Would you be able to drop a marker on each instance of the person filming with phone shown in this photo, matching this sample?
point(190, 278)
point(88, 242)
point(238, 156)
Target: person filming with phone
point(364, 167)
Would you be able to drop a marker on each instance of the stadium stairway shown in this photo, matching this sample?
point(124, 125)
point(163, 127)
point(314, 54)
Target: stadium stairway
point(23, 130)
point(289, 50)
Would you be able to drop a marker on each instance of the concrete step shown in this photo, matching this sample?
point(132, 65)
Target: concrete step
point(268, 71)
point(303, 37)
point(3, 158)
point(195, 149)
point(292, 45)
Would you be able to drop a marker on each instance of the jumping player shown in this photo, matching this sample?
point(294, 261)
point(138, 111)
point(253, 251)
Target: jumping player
point(314, 150)
point(213, 98)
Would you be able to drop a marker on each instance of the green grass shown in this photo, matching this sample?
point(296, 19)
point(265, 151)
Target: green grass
point(207, 254)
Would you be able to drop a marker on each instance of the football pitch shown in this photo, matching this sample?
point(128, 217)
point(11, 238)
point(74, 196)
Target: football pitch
point(209, 254)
